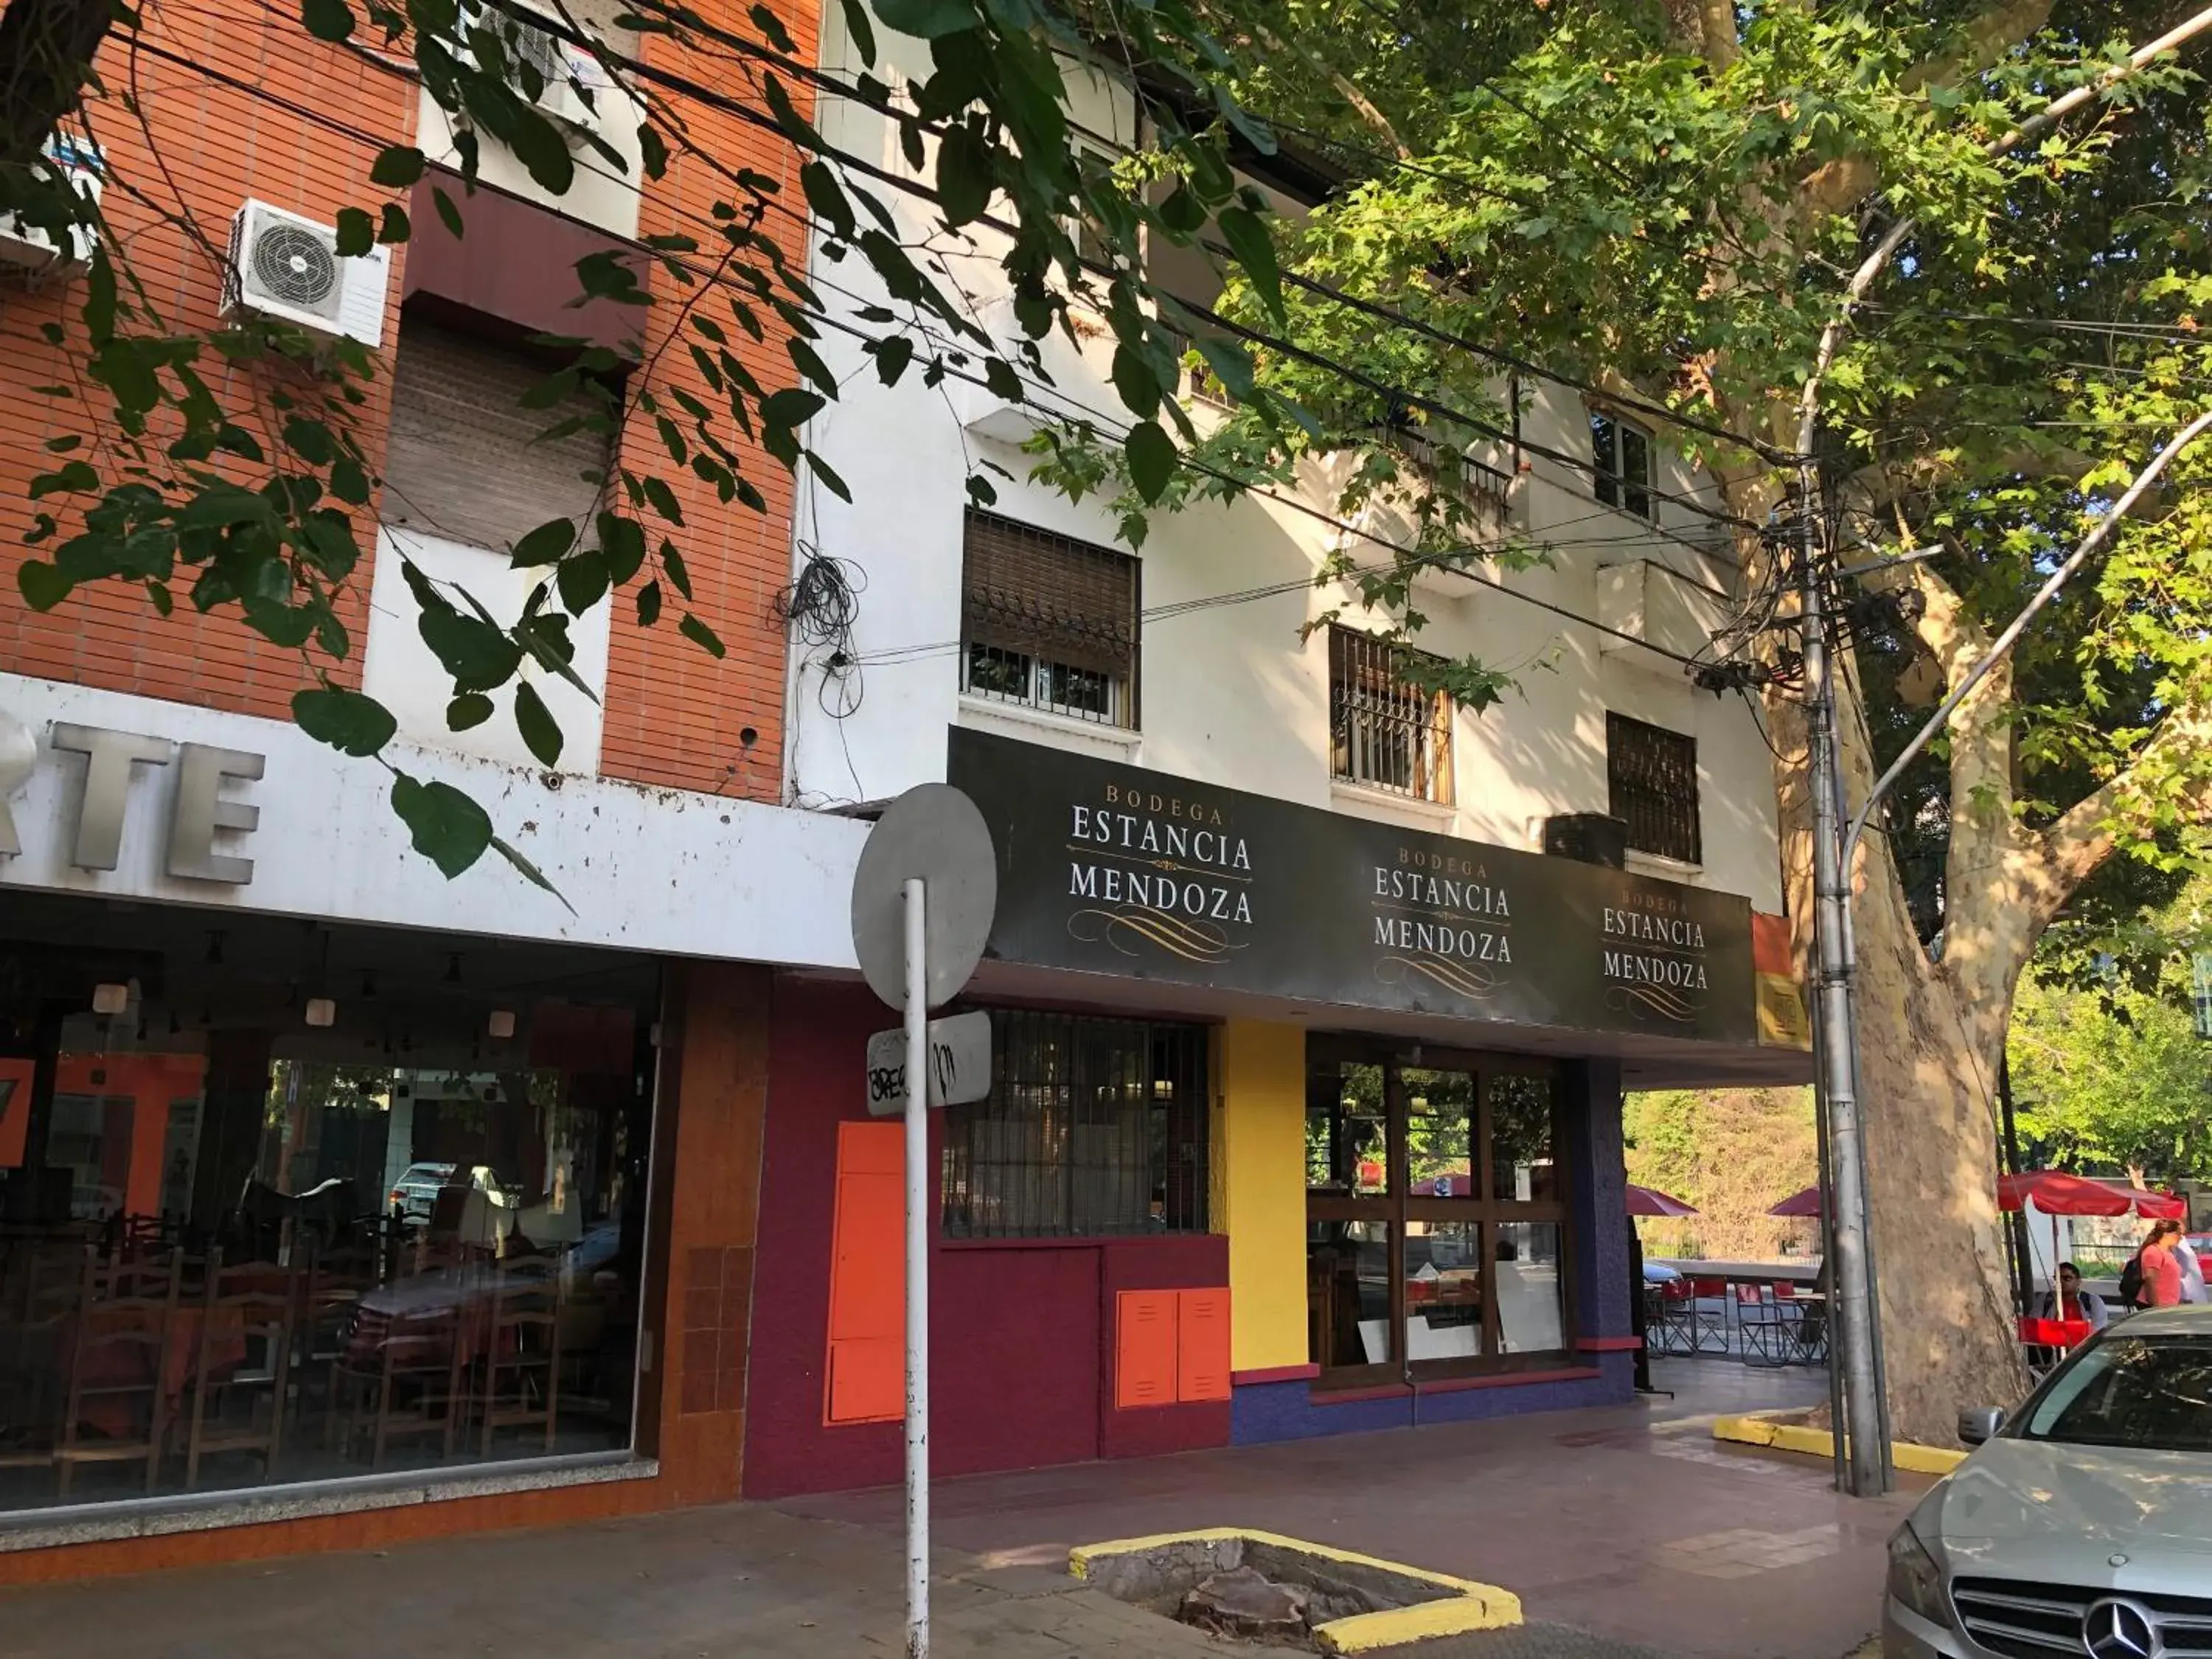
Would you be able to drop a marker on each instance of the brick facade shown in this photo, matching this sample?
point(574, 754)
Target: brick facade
point(258, 108)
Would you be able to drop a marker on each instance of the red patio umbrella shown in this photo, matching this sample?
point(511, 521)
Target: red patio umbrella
point(1807, 1203)
point(1649, 1200)
point(2054, 1191)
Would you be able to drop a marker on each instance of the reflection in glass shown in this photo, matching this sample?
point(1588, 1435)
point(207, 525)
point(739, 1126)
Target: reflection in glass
point(1530, 1310)
point(1524, 1166)
point(238, 1258)
point(1347, 1148)
point(1348, 1293)
point(1439, 1133)
point(1443, 1290)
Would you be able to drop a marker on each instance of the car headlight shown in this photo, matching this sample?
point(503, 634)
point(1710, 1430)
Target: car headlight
point(1914, 1578)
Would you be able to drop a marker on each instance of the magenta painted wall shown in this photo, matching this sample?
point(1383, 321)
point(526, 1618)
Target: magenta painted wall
point(1022, 1339)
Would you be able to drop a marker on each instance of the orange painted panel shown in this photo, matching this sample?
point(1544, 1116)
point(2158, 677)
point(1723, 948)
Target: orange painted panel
point(866, 1380)
point(1144, 1349)
point(1202, 1345)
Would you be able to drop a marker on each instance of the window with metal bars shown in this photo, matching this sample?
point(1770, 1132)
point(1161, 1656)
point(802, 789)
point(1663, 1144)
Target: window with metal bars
point(1652, 773)
point(1383, 732)
point(1092, 1127)
point(1049, 621)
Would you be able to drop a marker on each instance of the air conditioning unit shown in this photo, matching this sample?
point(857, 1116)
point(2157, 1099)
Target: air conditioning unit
point(81, 165)
point(288, 268)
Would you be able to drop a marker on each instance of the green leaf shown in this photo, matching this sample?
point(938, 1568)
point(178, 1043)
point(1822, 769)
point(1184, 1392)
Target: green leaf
point(998, 375)
point(42, 585)
point(528, 871)
point(397, 167)
point(964, 175)
point(622, 541)
point(471, 708)
point(348, 721)
point(928, 18)
point(540, 731)
point(1151, 455)
point(311, 440)
point(540, 147)
point(824, 196)
point(582, 581)
point(327, 19)
point(652, 151)
point(394, 227)
point(1230, 364)
point(1134, 379)
point(791, 407)
point(448, 829)
point(476, 655)
point(702, 635)
point(544, 545)
point(672, 567)
point(648, 604)
point(1248, 237)
point(772, 29)
point(862, 31)
point(356, 232)
point(349, 481)
point(447, 212)
point(663, 498)
point(892, 355)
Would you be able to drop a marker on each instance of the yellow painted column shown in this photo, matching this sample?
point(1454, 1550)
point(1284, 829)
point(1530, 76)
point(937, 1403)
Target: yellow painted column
point(1260, 1190)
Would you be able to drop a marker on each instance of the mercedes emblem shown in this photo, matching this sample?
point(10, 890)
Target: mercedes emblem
point(2116, 1629)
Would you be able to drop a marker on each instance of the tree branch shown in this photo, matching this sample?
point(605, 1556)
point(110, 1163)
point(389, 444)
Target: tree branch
point(1981, 43)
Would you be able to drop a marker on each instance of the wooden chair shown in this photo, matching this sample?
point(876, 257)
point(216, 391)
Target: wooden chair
point(253, 1303)
point(121, 1366)
point(522, 1367)
point(40, 1283)
point(403, 1376)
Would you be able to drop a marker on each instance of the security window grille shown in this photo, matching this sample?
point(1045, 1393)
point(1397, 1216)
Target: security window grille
point(1622, 452)
point(1653, 775)
point(1092, 1127)
point(1423, 464)
point(1049, 621)
point(1384, 733)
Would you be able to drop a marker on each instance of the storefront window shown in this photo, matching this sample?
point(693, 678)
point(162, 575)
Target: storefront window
point(1456, 1266)
point(1092, 1127)
point(1347, 1147)
point(300, 1203)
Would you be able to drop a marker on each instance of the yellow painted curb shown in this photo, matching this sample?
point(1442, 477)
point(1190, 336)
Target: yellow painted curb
point(1759, 1429)
point(1467, 1606)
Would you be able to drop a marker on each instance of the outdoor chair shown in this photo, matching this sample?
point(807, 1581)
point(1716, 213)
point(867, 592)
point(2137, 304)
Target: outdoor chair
point(1768, 1333)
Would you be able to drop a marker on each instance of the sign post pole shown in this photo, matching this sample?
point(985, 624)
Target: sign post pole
point(917, 1270)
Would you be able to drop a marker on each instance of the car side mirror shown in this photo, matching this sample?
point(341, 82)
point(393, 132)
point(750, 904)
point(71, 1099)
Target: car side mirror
point(1979, 1425)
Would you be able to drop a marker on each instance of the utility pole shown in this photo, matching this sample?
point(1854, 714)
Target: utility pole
point(1866, 1462)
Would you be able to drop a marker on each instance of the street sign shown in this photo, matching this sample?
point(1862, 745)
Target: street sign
point(932, 834)
point(959, 1064)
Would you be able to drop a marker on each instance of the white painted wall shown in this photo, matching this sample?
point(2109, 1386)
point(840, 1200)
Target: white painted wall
point(1230, 693)
point(402, 673)
point(645, 869)
point(602, 195)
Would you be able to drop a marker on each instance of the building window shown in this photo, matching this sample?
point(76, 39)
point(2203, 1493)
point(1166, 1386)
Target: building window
point(1622, 452)
point(1383, 732)
point(1435, 1216)
point(1427, 468)
point(1049, 621)
point(1092, 1127)
point(1652, 773)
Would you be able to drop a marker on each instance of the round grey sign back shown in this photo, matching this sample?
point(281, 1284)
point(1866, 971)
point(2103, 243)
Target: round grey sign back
point(933, 831)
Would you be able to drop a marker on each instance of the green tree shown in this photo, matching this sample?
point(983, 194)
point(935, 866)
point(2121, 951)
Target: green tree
point(1666, 203)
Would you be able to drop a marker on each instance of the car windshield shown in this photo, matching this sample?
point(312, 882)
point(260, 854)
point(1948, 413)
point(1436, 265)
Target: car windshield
point(2150, 1392)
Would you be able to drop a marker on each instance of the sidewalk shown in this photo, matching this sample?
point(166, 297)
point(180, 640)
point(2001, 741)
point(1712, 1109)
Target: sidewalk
point(1630, 1524)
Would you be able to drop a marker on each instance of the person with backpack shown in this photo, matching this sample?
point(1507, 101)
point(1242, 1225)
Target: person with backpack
point(2154, 1277)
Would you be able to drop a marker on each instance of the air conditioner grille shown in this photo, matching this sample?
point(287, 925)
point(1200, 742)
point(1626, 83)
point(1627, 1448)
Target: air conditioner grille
point(293, 265)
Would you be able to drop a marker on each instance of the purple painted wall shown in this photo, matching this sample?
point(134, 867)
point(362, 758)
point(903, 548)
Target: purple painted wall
point(1022, 1336)
point(1291, 1411)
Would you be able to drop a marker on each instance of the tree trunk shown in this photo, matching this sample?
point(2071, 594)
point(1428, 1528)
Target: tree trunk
point(1927, 1093)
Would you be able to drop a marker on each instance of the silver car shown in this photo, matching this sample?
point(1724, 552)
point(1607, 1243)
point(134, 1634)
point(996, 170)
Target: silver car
point(2082, 1526)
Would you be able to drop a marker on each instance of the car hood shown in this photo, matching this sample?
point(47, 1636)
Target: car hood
point(2032, 1491)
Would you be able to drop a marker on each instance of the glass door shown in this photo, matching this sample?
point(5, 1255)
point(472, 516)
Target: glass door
point(1436, 1225)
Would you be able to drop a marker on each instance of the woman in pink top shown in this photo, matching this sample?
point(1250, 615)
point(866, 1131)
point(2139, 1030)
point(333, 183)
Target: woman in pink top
point(2161, 1271)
